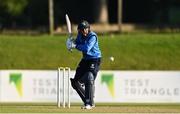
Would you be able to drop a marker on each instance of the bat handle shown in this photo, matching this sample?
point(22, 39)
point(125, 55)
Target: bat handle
point(70, 35)
point(71, 38)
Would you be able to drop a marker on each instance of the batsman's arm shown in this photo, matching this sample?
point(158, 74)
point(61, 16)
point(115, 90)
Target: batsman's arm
point(87, 46)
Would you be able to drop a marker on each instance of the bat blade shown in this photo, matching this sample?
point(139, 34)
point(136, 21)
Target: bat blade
point(68, 22)
point(68, 25)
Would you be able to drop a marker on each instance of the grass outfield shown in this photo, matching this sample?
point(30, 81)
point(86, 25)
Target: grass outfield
point(131, 52)
point(100, 108)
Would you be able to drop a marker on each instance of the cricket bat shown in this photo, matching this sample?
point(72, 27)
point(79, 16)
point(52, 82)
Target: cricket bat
point(68, 22)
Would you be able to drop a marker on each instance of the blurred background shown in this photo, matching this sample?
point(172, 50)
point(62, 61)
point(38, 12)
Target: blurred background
point(142, 37)
point(129, 14)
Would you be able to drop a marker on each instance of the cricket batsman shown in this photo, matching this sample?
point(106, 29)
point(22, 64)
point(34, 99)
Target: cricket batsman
point(87, 69)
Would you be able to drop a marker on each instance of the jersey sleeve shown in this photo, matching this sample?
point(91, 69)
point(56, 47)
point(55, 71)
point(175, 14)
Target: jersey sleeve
point(85, 48)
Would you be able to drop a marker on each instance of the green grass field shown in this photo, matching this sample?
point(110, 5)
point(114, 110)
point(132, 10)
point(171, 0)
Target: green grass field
point(131, 52)
point(100, 108)
point(141, 51)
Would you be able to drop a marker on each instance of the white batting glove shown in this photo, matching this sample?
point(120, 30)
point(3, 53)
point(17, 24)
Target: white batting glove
point(70, 44)
point(73, 45)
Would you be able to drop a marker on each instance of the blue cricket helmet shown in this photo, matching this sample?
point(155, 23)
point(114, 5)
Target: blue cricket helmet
point(83, 25)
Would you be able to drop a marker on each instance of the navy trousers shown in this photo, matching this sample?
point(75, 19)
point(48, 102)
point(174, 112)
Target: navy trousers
point(84, 78)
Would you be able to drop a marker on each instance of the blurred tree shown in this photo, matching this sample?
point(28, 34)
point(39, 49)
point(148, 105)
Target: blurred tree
point(14, 7)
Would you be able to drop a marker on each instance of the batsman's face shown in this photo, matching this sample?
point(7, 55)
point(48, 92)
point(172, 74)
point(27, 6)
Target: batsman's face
point(85, 31)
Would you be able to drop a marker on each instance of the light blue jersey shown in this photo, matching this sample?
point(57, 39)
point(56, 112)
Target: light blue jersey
point(88, 45)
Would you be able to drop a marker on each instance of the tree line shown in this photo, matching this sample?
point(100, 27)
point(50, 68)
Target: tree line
point(33, 13)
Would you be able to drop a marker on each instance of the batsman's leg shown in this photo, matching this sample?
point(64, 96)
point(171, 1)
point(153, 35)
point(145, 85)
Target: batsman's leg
point(89, 89)
point(79, 89)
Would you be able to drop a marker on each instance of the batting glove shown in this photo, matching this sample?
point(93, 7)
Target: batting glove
point(70, 44)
